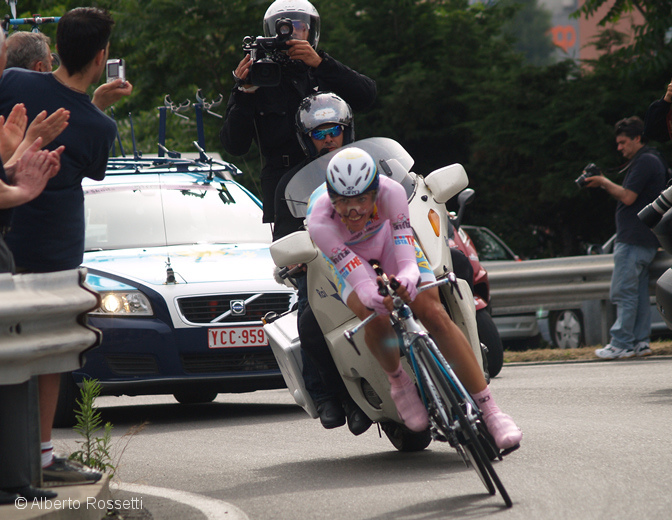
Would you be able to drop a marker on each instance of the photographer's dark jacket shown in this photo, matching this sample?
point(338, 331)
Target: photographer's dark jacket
point(657, 122)
point(272, 111)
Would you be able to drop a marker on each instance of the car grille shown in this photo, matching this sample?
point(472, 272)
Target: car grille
point(229, 362)
point(216, 309)
point(132, 365)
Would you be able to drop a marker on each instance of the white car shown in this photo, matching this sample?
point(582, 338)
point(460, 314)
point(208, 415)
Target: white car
point(179, 255)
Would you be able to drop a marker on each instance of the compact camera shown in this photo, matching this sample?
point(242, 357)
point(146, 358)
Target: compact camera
point(591, 170)
point(116, 69)
point(266, 54)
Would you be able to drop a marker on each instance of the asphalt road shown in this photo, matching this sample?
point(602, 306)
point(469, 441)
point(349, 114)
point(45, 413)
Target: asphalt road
point(597, 445)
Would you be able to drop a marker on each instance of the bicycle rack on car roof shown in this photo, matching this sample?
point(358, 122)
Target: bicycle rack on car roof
point(171, 159)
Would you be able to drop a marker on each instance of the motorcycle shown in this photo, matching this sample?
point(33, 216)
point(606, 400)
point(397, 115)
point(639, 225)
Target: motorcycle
point(363, 377)
point(480, 286)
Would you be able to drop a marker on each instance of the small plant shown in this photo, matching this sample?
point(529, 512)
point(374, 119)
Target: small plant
point(95, 451)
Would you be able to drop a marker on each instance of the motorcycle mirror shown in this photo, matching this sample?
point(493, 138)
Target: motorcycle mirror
point(465, 197)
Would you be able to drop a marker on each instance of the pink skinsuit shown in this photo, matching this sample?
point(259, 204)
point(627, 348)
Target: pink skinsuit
point(387, 237)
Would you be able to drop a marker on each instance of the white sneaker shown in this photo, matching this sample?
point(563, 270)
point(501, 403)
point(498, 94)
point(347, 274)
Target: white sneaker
point(643, 349)
point(611, 352)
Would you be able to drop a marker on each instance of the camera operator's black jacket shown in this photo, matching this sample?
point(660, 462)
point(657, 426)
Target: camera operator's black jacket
point(656, 121)
point(272, 111)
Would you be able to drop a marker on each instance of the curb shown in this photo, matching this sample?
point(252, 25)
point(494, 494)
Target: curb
point(576, 361)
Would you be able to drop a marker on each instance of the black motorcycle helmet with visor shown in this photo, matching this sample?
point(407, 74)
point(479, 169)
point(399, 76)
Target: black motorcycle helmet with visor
point(319, 109)
point(300, 12)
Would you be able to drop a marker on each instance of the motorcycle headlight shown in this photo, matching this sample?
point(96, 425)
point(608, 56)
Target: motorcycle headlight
point(119, 299)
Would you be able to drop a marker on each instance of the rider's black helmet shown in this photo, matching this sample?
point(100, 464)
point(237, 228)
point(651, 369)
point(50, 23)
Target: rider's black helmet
point(297, 11)
point(319, 109)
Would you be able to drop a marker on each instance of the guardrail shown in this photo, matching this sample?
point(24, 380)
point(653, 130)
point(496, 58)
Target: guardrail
point(556, 283)
point(43, 327)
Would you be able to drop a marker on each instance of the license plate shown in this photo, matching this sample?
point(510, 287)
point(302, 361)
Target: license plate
point(237, 337)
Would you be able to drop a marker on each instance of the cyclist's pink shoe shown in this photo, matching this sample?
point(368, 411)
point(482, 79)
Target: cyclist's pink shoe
point(409, 406)
point(502, 428)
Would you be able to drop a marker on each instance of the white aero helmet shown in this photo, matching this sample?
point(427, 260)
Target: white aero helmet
point(351, 172)
point(297, 11)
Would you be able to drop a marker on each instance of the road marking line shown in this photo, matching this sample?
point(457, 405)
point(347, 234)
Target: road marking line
point(212, 508)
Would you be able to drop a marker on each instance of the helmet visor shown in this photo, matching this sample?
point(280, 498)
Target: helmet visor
point(306, 27)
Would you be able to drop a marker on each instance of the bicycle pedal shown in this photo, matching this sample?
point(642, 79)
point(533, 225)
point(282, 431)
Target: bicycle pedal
point(438, 437)
point(508, 450)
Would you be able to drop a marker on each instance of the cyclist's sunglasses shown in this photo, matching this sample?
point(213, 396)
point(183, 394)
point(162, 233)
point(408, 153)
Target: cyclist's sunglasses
point(334, 131)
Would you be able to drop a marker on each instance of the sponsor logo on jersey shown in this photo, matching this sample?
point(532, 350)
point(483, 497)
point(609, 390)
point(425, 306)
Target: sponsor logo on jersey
point(350, 266)
point(404, 240)
point(337, 254)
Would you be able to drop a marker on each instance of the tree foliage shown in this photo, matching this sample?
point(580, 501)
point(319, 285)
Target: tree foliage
point(650, 51)
point(454, 85)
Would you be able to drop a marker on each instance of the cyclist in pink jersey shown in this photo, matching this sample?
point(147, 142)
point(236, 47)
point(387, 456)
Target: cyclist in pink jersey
point(358, 216)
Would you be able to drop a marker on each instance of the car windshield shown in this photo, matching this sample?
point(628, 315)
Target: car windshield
point(487, 246)
point(120, 216)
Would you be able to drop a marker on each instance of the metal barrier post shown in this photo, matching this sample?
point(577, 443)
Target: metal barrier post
point(43, 330)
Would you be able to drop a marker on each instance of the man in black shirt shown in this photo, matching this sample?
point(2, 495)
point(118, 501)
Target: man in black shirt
point(636, 244)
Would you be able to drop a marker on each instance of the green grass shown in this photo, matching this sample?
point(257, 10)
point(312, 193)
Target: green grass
point(659, 348)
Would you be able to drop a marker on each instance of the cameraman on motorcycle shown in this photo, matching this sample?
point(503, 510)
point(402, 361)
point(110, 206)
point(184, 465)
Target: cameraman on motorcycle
point(359, 215)
point(266, 114)
point(324, 123)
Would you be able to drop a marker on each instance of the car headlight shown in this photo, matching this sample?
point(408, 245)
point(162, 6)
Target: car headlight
point(119, 299)
point(132, 303)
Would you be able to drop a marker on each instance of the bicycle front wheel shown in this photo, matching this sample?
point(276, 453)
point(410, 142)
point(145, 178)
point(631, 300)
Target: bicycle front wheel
point(459, 409)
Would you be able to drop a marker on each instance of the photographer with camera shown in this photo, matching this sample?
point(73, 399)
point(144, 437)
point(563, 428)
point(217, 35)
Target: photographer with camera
point(658, 118)
point(636, 244)
point(277, 72)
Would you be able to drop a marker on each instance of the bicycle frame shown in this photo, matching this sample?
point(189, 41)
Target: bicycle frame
point(453, 414)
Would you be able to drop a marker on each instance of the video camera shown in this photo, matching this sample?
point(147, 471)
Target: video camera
point(266, 56)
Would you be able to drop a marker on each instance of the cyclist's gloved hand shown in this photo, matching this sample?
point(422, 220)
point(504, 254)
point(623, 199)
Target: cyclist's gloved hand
point(368, 294)
point(410, 281)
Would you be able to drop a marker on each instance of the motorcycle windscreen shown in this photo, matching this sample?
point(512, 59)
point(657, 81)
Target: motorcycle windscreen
point(396, 163)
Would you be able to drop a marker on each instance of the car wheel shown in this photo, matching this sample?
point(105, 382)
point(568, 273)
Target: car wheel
point(489, 336)
point(567, 327)
point(67, 401)
point(195, 396)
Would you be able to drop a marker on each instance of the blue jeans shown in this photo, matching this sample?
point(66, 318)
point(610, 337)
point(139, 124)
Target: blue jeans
point(630, 294)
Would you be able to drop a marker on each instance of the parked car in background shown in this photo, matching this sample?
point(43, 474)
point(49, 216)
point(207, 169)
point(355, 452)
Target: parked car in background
point(570, 328)
point(516, 330)
point(564, 301)
point(179, 255)
point(489, 246)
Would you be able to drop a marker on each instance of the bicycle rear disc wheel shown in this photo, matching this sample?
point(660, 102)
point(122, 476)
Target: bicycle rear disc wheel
point(468, 437)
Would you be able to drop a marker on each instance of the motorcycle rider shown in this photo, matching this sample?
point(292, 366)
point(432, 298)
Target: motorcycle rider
point(324, 123)
point(359, 215)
